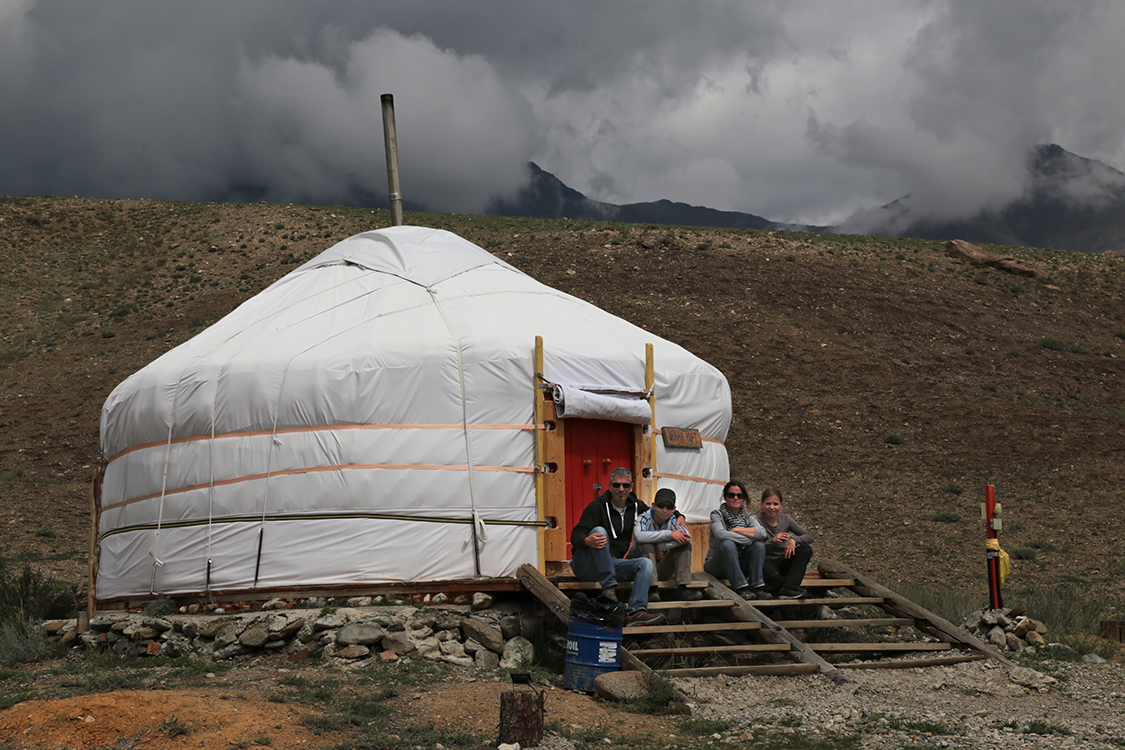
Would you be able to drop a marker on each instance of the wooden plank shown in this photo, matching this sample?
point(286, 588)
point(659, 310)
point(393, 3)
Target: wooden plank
point(791, 668)
point(869, 623)
point(742, 648)
point(623, 585)
point(897, 605)
point(701, 604)
point(770, 631)
point(827, 583)
point(936, 661)
point(832, 602)
point(556, 601)
point(698, 627)
point(882, 647)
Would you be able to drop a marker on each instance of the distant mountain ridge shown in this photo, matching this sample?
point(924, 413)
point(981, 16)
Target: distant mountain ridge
point(547, 197)
point(1071, 203)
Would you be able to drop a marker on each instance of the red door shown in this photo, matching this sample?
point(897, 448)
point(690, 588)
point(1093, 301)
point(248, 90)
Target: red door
point(594, 448)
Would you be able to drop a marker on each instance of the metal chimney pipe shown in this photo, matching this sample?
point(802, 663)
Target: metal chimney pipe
point(390, 137)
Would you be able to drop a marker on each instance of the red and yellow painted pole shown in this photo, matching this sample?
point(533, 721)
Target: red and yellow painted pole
point(991, 513)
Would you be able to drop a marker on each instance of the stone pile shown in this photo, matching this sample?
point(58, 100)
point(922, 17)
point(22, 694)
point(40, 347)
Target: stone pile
point(1006, 629)
point(499, 637)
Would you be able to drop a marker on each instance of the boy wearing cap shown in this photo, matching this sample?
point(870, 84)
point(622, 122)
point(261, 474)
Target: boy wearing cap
point(661, 535)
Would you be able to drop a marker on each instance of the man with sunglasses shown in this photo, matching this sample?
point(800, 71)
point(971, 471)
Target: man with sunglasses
point(601, 539)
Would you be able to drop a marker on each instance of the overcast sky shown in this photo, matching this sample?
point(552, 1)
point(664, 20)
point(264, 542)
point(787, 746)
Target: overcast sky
point(796, 111)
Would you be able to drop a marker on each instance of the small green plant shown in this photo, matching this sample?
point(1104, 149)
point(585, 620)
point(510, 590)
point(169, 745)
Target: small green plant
point(1023, 553)
point(45, 532)
point(658, 698)
point(701, 727)
point(161, 607)
point(930, 727)
point(947, 516)
point(1055, 345)
point(894, 439)
point(953, 488)
point(790, 721)
point(1039, 726)
point(173, 727)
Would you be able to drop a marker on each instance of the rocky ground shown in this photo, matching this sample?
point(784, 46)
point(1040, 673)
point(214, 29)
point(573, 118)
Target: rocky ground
point(881, 383)
point(972, 705)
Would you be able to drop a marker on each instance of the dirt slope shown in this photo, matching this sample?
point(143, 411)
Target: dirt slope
point(879, 382)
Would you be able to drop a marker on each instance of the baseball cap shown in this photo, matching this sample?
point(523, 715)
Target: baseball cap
point(665, 498)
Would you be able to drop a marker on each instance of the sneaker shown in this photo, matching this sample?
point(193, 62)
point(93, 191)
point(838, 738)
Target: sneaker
point(684, 594)
point(643, 617)
point(761, 594)
point(791, 594)
point(654, 594)
point(746, 593)
point(609, 594)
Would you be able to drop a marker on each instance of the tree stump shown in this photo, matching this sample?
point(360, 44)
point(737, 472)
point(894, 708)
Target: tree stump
point(521, 717)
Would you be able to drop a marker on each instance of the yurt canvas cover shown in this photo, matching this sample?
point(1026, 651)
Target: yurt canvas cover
point(363, 419)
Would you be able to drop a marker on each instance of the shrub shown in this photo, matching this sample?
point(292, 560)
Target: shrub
point(21, 643)
point(161, 607)
point(952, 604)
point(893, 439)
point(29, 595)
point(946, 516)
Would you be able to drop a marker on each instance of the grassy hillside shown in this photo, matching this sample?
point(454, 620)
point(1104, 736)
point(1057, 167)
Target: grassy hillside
point(879, 382)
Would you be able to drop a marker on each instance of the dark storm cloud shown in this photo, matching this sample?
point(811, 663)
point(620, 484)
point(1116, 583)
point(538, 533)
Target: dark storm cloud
point(800, 111)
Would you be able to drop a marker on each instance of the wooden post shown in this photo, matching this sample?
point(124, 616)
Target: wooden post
point(540, 490)
point(992, 557)
point(644, 451)
point(521, 717)
point(95, 517)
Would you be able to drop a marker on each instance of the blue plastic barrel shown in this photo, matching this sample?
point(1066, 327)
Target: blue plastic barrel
point(591, 650)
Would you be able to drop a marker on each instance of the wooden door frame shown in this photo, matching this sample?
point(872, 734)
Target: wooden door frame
point(550, 463)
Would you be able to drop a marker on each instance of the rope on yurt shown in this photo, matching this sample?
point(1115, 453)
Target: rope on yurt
point(479, 533)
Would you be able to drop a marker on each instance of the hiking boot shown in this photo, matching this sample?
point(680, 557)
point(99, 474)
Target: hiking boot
point(788, 593)
point(746, 593)
point(684, 594)
point(609, 594)
point(654, 594)
point(761, 594)
point(643, 617)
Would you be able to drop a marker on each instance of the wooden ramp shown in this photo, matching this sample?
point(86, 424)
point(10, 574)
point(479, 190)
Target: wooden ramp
point(845, 622)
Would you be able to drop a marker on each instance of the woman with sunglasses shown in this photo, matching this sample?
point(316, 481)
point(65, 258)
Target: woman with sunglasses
point(737, 548)
point(788, 548)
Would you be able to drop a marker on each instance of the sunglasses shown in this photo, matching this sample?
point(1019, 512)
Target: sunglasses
point(666, 506)
point(735, 495)
point(621, 485)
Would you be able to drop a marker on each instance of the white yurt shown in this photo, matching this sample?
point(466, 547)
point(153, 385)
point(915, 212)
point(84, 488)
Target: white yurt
point(371, 418)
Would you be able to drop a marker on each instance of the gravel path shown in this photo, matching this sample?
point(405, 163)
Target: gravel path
point(971, 705)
